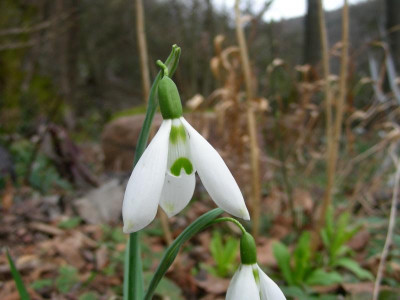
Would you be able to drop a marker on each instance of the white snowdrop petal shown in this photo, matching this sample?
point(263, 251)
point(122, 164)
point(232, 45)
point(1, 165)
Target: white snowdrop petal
point(177, 192)
point(143, 191)
point(243, 285)
point(268, 288)
point(215, 175)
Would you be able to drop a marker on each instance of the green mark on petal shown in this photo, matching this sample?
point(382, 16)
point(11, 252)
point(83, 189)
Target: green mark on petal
point(177, 132)
point(181, 163)
point(256, 275)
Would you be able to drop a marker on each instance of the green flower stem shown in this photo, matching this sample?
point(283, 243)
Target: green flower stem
point(228, 219)
point(163, 67)
point(170, 254)
point(133, 274)
point(203, 222)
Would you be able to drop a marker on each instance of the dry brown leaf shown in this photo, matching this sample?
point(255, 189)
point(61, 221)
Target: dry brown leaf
point(265, 255)
point(360, 240)
point(213, 285)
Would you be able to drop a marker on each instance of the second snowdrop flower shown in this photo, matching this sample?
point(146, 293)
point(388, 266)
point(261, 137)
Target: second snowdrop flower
point(249, 281)
point(165, 174)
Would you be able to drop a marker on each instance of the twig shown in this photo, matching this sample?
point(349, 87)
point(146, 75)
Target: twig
point(373, 69)
point(328, 106)
point(37, 27)
point(142, 45)
point(333, 133)
point(392, 222)
point(251, 123)
point(165, 227)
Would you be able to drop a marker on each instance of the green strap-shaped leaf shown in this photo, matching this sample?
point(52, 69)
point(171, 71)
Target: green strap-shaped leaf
point(169, 255)
point(133, 273)
point(283, 258)
point(353, 266)
point(23, 293)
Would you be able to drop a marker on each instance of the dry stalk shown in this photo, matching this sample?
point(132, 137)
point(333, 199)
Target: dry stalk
point(142, 45)
point(251, 123)
point(392, 222)
point(333, 130)
point(165, 226)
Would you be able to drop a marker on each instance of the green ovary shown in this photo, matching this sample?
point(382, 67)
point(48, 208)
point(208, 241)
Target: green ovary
point(181, 163)
point(177, 133)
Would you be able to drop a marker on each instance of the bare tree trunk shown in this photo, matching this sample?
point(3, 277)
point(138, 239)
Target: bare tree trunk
point(393, 28)
point(142, 45)
point(65, 50)
point(312, 37)
point(194, 45)
point(209, 26)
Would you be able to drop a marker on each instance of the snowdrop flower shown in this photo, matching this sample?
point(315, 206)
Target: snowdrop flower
point(249, 281)
point(165, 173)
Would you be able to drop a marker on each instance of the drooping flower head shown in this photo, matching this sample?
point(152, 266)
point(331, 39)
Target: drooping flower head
point(165, 173)
point(249, 281)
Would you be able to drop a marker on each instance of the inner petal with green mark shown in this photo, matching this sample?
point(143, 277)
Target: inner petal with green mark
point(177, 133)
point(181, 163)
point(179, 150)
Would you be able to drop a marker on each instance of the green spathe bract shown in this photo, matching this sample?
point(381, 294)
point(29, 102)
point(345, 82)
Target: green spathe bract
point(170, 101)
point(248, 250)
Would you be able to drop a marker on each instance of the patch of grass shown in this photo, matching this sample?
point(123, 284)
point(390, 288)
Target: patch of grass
point(67, 278)
point(70, 223)
point(137, 110)
point(41, 283)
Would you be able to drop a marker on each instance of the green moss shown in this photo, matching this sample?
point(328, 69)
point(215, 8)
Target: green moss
point(130, 112)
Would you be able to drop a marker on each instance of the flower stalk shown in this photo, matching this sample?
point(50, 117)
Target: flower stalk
point(133, 277)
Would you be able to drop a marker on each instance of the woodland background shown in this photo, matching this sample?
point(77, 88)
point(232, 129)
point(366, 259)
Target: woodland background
point(309, 129)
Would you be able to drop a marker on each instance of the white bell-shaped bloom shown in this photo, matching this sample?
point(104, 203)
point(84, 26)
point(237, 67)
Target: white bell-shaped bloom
point(165, 175)
point(251, 283)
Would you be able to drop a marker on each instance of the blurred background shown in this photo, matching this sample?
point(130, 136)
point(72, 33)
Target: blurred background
point(301, 102)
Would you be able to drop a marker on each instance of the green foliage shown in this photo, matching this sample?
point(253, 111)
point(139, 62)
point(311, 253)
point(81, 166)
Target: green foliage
point(112, 235)
point(298, 269)
point(304, 294)
point(67, 279)
point(224, 254)
point(304, 268)
point(70, 223)
point(322, 277)
point(334, 236)
point(353, 266)
point(88, 296)
point(23, 293)
point(166, 288)
point(41, 283)
point(170, 254)
point(283, 258)
point(43, 175)
point(129, 112)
